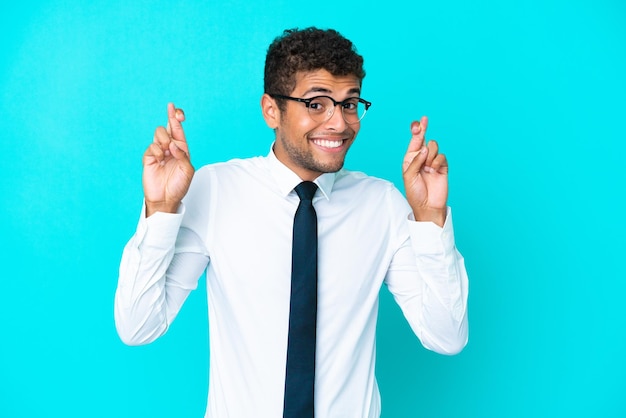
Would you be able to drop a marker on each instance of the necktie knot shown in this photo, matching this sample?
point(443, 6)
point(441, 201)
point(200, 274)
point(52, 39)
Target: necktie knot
point(306, 190)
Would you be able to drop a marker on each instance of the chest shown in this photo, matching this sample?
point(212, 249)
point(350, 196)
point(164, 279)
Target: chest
point(250, 243)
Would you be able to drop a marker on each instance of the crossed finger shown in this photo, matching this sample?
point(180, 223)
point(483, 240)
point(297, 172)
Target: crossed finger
point(416, 152)
point(175, 132)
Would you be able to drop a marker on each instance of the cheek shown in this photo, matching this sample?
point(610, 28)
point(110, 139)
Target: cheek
point(306, 125)
point(293, 126)
point(298, 128)
point(300, 132)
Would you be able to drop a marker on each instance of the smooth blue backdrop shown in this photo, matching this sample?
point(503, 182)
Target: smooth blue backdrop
point(525, 97)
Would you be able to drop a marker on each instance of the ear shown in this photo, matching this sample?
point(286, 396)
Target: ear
point(271, 112)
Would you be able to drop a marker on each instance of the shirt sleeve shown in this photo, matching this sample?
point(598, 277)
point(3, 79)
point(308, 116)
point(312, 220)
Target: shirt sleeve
point(428, 279)
point(160, 266)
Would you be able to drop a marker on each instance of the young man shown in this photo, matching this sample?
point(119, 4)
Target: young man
point(236, 221)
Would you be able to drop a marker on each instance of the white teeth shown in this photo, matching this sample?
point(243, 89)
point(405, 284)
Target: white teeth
point(328, 143)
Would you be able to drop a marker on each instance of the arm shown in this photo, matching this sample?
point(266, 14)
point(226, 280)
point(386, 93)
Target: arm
point(428, 280)
point(435, 299)
point(162, 262)
point(160, 266)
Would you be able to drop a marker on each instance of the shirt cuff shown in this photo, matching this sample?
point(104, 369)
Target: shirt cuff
point(159, 230)
point(428, 238)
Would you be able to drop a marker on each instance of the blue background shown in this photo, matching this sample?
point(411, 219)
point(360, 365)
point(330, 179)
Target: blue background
point(525, 97)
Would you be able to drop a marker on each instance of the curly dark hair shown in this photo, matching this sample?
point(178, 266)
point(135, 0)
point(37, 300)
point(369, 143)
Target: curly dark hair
point(309, 49)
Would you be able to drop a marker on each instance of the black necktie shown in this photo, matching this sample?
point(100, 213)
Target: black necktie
point(300, 377)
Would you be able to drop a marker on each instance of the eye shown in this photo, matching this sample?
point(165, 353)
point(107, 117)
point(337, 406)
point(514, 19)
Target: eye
point(317, 105)
point(350, 105)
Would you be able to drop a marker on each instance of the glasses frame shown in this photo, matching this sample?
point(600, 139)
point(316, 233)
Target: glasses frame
point(307, 103)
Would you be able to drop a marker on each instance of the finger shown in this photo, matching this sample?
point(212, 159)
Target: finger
point(177, 152)
point(440, 164)
point(414, 161)
point(424, 123)
point(180, 116)
point(153, 154)
point(162, 139)
point(418, 131)
point(176, 128)
point(433, 151)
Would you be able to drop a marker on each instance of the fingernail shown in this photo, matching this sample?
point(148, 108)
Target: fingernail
point(180, 114)
point(167, 153)
point(415, 129)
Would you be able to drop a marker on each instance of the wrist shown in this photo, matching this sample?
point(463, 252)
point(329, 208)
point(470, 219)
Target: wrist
point(436, 216)
point(166, 207)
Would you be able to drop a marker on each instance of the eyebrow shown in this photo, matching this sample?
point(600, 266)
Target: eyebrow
point(325, 90)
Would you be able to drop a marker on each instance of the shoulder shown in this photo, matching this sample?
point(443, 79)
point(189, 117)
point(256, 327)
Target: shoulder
point(233, 166)
point(372, 198)
point(358, 182)
point(224, 183)
point(369, 190)
point(233, 174)
point(235, 171)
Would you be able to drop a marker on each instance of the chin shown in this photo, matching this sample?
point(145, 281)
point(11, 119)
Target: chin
point(331, 168)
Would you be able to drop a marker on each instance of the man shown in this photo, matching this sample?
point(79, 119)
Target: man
point(236, 221)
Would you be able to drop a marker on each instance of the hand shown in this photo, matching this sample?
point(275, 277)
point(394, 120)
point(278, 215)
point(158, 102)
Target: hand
point(167, 170)
point(425, 175)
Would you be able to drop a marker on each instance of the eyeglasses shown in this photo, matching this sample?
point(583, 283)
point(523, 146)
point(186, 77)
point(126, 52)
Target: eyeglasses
point(322, 108)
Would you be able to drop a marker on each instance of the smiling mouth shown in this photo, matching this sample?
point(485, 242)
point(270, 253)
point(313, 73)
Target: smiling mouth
point(328, 143)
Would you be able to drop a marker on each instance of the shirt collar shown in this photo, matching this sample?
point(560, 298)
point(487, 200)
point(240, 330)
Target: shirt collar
point(287, 180)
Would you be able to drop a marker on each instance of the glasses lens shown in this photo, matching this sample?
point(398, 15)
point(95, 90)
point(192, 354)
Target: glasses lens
point(322, 108)
point(353, 110)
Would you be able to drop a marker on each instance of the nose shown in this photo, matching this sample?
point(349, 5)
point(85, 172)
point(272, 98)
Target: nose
point(335, 121)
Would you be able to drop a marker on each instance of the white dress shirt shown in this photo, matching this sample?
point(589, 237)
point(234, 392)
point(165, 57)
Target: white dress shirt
point(236, 222)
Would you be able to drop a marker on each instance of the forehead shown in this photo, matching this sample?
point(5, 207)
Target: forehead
point(324, 82)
